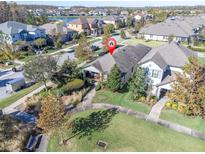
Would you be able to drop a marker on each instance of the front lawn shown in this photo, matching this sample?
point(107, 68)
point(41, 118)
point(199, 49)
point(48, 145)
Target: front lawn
point(16, 96)
point(176, 117)
point(121, 99)
point(123, 133)
point(150, 43)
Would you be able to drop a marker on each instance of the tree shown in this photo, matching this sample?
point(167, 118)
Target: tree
point(52, 116)
point(40, 69)
point(58, 43)
point(138, 26)
point(114, 82)
point(139, 83)
point(129, 21)
point(83, 51)
point(108, 29)
point(104, 41)
point(189, 88)
point(122, 34)
point(68, 71)
point(7, 52)
point(40, 42)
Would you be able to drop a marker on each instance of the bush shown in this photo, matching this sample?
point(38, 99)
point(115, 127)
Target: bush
point(172, 105)
point(98, 87)
point(74, 85)
point(181, 108)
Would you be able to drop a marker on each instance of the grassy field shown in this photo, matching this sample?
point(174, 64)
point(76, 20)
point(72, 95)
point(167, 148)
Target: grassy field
point(125, 133)
point(121, 99)
point(174, 116)
point(148, 43)
point(16, 96)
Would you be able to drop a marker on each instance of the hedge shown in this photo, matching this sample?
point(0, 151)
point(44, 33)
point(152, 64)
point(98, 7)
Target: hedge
point(74, 85)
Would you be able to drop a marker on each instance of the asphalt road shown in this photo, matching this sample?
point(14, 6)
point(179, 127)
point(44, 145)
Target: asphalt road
point(6, 76)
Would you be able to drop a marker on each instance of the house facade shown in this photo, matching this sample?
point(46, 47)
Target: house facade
point(161, 63)
point(90, 26)
point(13, 31)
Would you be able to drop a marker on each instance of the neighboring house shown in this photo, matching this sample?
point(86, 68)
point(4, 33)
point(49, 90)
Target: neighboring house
point(124, 13)
point(112, 20)
point(181, 28)
point(13, 31)
point(162, 63)
point(96, 26)
point(80, 25)
point(58, 28)
point(54, 28)
point(90, 26)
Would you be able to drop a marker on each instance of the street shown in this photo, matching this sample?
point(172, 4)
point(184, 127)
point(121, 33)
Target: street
point(6, 76)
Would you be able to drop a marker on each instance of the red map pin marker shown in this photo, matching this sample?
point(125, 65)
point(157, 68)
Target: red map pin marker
point(111, 45)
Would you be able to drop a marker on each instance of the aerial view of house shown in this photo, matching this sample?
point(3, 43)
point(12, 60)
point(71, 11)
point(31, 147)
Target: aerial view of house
point(102, 76)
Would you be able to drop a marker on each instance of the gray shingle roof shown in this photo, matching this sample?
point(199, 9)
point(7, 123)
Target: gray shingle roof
point(104, 64)
point(128, 56)
point(125, 57)
point(182, 27)
point(173, 54)
point(13, 27)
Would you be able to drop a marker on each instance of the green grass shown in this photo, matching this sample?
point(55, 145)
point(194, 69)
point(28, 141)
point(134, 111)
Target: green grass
point(179, 118)
point(16, 96)
point(148, 43)
point(126, 133)
point(121, 99)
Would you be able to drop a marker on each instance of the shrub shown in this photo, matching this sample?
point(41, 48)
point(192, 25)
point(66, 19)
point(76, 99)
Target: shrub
point(142, 99)
point(168, 105)
point(98, 87)
point(74, 85)
point(181, 108)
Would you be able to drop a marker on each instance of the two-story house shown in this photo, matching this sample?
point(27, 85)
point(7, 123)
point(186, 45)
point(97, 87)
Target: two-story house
point(90, 26)
point(162, 63)
point(12, 31)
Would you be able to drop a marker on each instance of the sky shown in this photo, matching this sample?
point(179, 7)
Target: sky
point(120, 3)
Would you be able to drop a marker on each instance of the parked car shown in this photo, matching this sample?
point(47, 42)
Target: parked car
point(15, 85)
point(94, 48)
point(17, 68)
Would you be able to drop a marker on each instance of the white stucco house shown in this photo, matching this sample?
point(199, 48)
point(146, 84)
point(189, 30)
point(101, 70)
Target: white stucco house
point(162, 63)
point(181, 28)
point(12, 31)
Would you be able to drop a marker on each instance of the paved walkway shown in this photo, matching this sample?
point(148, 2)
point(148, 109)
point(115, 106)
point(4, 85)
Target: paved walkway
point(13, 107)
point(156, 109)
point(142, 116)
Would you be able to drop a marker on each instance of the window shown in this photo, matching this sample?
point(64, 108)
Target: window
point(155, 73)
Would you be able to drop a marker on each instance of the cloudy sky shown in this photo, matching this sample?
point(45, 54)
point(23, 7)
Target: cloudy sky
point(129, 3)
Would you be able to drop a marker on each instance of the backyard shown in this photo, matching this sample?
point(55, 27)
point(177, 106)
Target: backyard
point(122, 133)
point(121, 99)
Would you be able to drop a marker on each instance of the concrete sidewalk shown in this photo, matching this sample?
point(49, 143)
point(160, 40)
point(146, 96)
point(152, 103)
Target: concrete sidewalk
point(156, 109)
point(12, 108)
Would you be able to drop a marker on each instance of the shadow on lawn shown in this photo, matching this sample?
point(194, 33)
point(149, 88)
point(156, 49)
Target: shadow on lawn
point(96, 121)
